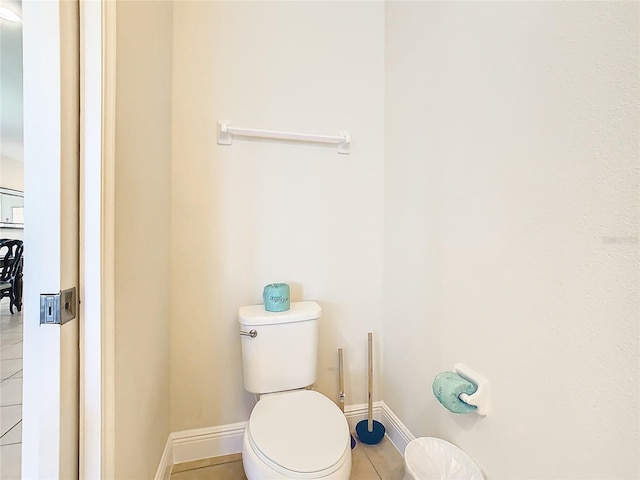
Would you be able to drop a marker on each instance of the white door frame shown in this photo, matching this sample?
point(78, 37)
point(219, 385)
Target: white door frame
point(97, 226)
point(97, 45)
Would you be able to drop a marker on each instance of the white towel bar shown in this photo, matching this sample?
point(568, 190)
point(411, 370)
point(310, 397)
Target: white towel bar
point(226, 132)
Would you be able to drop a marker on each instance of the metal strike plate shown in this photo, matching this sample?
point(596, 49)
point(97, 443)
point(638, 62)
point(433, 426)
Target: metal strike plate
point(58, 308)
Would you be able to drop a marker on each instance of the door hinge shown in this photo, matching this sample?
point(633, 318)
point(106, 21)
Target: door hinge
point(58, 308)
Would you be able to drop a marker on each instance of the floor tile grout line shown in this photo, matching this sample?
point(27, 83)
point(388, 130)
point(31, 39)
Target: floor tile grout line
point(5, 433)
point(206, 466)
point(14, 375)
point(9, 444)
point(373, 464)
point(9, 377)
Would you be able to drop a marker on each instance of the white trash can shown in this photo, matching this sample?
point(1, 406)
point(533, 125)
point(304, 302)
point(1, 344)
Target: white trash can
point(430, 458)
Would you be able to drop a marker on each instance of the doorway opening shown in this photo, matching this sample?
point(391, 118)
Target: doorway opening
point(11, 228)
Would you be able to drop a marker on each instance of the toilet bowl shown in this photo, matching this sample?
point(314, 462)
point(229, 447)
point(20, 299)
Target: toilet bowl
point(299, 434)
point(430, 458)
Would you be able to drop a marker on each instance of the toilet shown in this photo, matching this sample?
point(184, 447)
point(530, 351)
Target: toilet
point(293, 432)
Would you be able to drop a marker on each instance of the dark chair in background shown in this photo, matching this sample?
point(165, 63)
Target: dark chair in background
point(11, 272)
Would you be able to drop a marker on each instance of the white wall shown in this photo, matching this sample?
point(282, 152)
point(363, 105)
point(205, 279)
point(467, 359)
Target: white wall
point(13, 233)
point(142, 216)
point(11, 173)
point(259, 212)
point(12, 176)
point(11, 96)
point(11, 131)
point(511, 229)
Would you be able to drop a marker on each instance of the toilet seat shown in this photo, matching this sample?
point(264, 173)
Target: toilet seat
point(300, 434)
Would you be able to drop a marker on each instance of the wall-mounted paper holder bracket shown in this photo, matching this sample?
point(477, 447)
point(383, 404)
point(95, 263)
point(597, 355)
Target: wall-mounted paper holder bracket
point(481, 397)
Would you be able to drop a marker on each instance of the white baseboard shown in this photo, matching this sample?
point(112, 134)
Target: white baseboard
point(166, 461)
point(397, 432)
point(203, 443)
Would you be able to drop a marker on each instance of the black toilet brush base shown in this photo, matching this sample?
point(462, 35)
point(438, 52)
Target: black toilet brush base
point(370, 438)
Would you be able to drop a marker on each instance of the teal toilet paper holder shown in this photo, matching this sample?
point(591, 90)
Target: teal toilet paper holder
point(481, 397)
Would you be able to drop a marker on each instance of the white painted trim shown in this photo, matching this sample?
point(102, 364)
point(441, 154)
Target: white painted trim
point(166, 461)
point(397, 431)
point(107, 228)
point(203, 443)
point(90, 240)
point(357, 413)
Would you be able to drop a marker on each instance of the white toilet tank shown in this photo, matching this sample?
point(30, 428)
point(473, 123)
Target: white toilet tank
point(283, 355)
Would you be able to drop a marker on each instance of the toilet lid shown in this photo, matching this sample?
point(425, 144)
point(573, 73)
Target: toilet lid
point(301, 431)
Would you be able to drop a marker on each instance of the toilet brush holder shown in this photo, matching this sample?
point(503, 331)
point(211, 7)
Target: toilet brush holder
point(341, 395)
point(370, 431)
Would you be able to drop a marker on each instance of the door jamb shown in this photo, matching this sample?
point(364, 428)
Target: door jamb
point(97, 229)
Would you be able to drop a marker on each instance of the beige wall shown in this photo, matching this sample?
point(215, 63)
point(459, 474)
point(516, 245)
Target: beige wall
point(143, 155)
point(488, 213)
point(258, 212)
point(511, 223)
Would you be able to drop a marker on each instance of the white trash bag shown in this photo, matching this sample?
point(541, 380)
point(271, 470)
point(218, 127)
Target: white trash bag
point(430, 458)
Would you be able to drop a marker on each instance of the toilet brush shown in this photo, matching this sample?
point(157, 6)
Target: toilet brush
point(341, 377)
point(370, 431)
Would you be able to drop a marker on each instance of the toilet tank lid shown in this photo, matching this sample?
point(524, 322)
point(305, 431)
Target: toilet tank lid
point(298, 312)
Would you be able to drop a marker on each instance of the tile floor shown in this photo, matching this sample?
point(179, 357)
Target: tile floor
point(378, 462)
point(10, 392)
